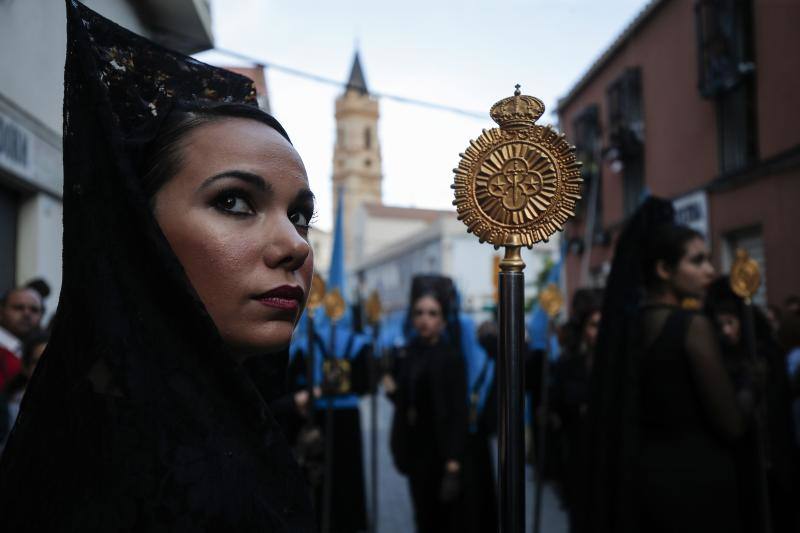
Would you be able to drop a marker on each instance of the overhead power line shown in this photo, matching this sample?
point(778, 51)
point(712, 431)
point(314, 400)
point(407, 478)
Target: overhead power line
point(338, 83)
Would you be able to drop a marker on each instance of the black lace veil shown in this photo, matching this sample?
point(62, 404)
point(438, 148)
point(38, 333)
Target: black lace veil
point(614, 382)
point(136, 419)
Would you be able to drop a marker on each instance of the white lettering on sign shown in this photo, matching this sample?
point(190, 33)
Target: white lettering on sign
point(692, 210)
point(15, 145)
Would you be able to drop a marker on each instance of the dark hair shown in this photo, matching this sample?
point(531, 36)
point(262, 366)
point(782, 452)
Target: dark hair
point(162, 156)
point(441, 289)
point(720, 298)
point(667, 244)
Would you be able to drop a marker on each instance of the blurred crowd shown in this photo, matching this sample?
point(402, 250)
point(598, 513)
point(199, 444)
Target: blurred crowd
point(441, 381)
point(23, 338)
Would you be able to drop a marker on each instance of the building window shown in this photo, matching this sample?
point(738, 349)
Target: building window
point(588, 146)
point(726, 75)
point(626, 135)
point(340, 136)
point(368, 138)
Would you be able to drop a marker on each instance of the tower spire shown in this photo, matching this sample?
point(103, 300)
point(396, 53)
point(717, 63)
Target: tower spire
point(357, 82)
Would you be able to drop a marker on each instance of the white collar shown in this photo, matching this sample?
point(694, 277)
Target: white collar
point(10, 342)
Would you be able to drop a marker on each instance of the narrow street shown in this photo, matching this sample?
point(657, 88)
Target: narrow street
point(395, 514)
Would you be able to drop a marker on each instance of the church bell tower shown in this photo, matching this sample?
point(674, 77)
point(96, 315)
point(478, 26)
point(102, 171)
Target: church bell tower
point(356, 157)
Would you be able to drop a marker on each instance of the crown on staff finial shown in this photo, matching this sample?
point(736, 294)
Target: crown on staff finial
point(518, 111)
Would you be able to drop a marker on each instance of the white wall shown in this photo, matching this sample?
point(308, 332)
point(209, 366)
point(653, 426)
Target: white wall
point(32, 48)
point(39, 244)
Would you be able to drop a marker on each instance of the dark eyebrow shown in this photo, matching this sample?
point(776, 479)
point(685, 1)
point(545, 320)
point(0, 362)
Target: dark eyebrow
point(253, 179)
point(305, 195)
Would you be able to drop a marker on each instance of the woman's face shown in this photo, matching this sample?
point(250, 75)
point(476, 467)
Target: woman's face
point(236, 215)
point(427, 318)
point(590, 329)
point(731, 328)
point(694, 272)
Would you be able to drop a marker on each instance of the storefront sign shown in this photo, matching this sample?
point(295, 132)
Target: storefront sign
point(15, 146)
point(692, 210)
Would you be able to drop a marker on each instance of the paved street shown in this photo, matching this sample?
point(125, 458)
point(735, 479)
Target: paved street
point(394, 505)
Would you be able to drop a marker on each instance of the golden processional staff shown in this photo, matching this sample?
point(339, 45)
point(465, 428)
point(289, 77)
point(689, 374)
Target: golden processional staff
point(550, 301)
point(515, 186)
point(745, 279)
point(309, 438)
point(373, 313)
point(335, 379)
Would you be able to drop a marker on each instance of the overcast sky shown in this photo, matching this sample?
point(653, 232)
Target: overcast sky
point(466, 54)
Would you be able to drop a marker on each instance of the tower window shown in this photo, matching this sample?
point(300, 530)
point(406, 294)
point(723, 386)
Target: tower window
point(368, 138)
point(367, 162)
point(340, 136)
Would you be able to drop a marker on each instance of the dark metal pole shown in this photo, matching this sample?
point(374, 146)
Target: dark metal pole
point(327, 488)
point(510, 381)
point(311, 362)
point(762, 462)
point(373, 372)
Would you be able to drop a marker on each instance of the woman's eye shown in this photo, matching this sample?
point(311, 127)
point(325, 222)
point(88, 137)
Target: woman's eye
point(234, 203)
point(300, 219)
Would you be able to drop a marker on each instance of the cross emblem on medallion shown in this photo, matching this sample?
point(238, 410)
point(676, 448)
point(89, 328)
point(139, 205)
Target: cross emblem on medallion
point(515, 184)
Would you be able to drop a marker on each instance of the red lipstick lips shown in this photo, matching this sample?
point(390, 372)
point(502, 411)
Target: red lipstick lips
point(285, 297)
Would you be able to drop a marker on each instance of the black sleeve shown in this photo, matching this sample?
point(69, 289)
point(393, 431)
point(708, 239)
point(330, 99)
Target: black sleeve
point(450, 405)
point(360, 371)
point(714, 386)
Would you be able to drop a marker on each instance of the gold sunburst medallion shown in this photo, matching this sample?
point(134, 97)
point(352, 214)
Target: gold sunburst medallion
point(745, 275)
point(550, 300)
point(518, 184)
point(373, 308)
point(317, 293)
point(334, 304)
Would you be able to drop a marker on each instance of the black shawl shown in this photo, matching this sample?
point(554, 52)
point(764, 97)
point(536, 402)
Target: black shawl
point(136, 419)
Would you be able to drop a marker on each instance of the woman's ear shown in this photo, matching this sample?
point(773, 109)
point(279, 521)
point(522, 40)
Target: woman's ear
point(663, 272)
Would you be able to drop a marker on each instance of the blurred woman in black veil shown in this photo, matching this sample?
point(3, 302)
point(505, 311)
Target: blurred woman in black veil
point(569, 398)
point(429, 391)
point(186, 267)
point(767, 385)
point(664, 415)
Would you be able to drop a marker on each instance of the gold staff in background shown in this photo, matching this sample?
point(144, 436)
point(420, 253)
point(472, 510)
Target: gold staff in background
point(515, 186)
point(550, 301)
point(372, 309)
point(335, 380)
point(309, 439)
point(745, 279)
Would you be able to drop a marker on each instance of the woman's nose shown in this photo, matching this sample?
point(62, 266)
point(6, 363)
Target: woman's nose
point(286, 247)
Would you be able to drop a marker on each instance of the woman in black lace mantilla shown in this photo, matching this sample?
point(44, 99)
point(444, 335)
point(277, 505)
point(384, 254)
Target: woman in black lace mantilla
point(186, 267)
point(664, 413)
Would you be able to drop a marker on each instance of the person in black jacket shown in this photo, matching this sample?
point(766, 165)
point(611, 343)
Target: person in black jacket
point(429, 427)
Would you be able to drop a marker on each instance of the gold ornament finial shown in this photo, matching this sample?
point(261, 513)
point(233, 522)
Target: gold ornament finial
point(518, 111)
point(550, 300)
point(316, 294)
point(334, 304)
point(518, 184)
point(745, 275)
point(373, 308)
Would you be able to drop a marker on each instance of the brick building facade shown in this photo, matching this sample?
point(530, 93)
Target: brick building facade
point(696, 101)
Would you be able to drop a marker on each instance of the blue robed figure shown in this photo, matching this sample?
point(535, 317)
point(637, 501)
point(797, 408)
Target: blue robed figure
point(339, 374)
